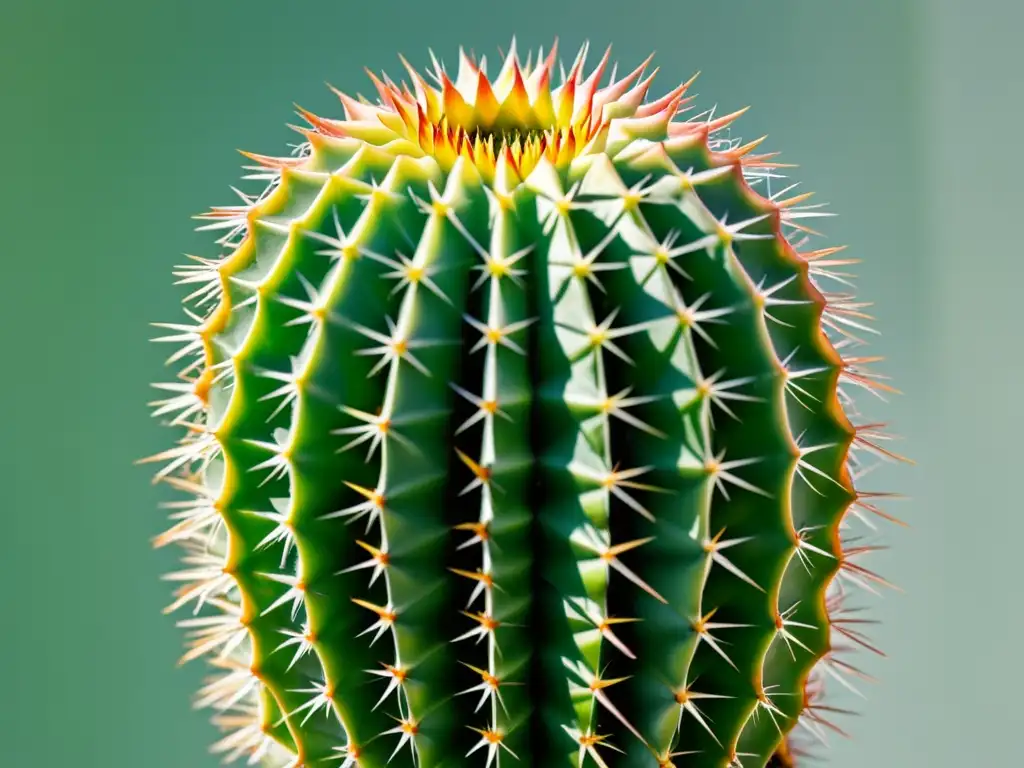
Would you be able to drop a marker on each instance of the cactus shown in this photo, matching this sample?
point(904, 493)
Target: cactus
point(519, 431)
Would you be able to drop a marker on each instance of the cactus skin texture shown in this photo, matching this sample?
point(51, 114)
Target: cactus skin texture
point(519, 431)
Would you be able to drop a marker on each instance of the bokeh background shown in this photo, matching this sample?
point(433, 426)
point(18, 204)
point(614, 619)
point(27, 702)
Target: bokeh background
point(119, 120)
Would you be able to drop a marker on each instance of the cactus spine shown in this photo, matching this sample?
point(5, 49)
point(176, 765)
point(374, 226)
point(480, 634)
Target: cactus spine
point(518, 433)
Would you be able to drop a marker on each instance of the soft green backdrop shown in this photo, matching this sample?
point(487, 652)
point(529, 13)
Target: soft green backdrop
point(120, 120)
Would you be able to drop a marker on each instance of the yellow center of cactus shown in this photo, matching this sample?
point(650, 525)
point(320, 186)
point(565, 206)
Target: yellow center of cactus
point(508, 123)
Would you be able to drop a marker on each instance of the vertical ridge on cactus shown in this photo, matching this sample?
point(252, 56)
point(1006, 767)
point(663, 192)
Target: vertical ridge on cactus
point(519, 429)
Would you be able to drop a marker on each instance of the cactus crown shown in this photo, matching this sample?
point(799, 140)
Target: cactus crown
point(517, 119)
point(518, 433)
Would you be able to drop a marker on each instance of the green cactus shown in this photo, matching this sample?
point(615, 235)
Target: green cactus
point(518, 432)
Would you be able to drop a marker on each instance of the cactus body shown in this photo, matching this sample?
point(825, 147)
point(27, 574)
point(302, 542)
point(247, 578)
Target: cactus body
point(517, 436)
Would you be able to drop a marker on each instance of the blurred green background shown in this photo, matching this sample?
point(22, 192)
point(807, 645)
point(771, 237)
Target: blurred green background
point(120, 120)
